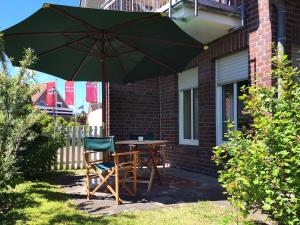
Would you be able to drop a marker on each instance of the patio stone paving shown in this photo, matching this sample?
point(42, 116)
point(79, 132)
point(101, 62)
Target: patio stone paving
point(179, 187)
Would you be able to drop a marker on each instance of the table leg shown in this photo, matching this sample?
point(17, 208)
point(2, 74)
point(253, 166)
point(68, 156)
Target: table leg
point(151, 179)
point(154, 172)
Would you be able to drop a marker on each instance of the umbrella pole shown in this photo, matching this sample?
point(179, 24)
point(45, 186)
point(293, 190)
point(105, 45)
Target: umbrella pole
point(104, 122)
point(104, 108)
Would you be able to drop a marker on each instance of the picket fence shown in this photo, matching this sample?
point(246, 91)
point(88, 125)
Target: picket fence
point(70, 156)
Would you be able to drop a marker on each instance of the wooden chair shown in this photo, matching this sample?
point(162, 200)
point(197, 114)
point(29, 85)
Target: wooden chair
point(145, 151)
point(122, 167)
point(163, 157)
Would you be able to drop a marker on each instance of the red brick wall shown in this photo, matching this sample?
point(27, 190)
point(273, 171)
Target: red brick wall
point(198, 158)
point(134, 109)
point(293, 24)
point(256, 35)
point(169, 108)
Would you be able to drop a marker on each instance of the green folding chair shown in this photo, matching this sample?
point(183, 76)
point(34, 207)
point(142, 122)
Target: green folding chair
point(122, 166)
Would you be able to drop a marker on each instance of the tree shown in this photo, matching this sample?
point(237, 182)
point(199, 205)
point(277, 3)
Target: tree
point(15, 113)
point(260, 168)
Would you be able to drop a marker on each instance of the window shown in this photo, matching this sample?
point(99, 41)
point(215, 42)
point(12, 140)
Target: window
point(233, 107)
point(188, 107)
point(227, 107)
point(231, 75)
point(59, 104)
point(296, 56)
point(41, 103)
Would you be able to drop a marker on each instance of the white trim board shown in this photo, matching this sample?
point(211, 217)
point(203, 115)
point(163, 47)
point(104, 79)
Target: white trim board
point(186, 80)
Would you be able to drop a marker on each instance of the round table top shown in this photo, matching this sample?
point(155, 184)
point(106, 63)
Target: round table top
point(145, 142)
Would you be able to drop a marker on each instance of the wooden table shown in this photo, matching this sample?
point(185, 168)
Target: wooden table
point(152, 144)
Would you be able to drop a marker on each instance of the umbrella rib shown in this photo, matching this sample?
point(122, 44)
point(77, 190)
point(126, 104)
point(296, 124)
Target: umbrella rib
point(74, 17)
point(61, 46)
point(123, 46)
point(47, 33)
point(148, 56)
point(119, 61)
point(158, 40)
point(80, 44)
point(81, 50)
point(82, 62)
point(155, 16)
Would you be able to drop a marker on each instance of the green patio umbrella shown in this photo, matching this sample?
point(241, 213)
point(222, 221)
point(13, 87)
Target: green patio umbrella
point(101, 45)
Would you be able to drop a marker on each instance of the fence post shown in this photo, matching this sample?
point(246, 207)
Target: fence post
point(84, 135)
point(90, 131)
point(55, 162)
point(61, 155)
point(95, 131)
point(100, 131)
point(79, 147)
point(73, 147)
point(67, 147)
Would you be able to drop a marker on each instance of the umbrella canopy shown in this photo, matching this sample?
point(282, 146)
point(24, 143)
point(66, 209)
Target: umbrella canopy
point(101, 45)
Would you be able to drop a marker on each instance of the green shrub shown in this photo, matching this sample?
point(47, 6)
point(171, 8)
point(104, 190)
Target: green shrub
point(15, 110)
point(38, 150)
point(261, 167)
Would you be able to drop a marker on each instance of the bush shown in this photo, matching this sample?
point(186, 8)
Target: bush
point(15, 110)
point(38, 150)
point(261, 167)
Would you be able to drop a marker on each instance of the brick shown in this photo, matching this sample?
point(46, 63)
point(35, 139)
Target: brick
point(152, 105)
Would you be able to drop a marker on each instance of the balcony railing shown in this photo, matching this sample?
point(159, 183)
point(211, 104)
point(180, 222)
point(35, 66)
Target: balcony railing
point(155, 5)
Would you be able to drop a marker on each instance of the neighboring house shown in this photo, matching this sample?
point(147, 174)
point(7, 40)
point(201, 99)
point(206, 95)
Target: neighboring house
point(94, 115)
point(61, 109)
point(191, 109)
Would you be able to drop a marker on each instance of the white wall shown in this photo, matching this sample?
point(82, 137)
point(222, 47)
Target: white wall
point(95, 118)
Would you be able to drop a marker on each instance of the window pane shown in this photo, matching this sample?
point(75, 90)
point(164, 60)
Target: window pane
point(187, 114)
point(195, 114)
point(243, 120)
point(227, 106)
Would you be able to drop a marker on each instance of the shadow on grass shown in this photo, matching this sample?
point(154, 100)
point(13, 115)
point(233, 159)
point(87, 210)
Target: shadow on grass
point(49, 176)
point(9, 205)
point(14, 202)
point(85, 219)
point(45, 192)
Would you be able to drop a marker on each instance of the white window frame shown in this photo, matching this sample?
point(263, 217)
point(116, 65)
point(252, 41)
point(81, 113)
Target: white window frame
point(40, 102)
point(219, 110)
point(59, 104)
point(228, 79)
point(190, 83)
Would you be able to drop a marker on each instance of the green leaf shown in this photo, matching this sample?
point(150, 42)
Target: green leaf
point(266, 207)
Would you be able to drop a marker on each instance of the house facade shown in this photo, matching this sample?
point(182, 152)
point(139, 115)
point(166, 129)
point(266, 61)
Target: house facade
point(94, 115)
point(191, 109)
point(61, 109)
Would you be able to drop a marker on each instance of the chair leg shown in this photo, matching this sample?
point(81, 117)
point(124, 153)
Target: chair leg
point(117, 186)
point(134, 178)
point(163, 154)
point(88, 183)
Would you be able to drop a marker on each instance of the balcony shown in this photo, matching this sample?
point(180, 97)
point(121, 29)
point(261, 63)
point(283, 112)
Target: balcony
point(206, 21)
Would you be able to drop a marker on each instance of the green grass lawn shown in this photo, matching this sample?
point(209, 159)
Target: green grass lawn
point(40, 202)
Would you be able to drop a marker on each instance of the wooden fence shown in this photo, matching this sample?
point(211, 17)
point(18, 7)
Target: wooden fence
point(70, 155)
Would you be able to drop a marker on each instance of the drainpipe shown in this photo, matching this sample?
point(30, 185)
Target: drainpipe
point(196, 7)
point(281, 29)
point(170, 8)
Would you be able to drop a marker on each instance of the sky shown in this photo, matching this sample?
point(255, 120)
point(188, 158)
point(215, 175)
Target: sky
point(14, 11)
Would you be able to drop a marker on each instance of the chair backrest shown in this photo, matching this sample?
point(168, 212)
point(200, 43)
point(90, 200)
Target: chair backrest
point(99, 144)
point(147, 137)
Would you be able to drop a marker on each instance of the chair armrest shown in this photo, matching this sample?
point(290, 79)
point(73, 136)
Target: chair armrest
point(125, 153)
point(89, 152)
